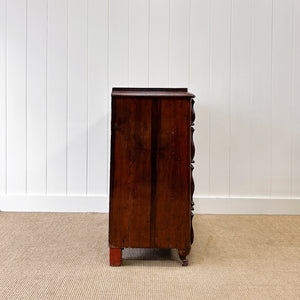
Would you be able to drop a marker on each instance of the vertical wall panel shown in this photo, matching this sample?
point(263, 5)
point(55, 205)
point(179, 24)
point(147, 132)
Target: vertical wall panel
point(159, 42)
point(199, 85)
point(118, 43)
point(281, 97)
point(138, 42)
point(57, 96)
point(16, 96)
point(240, 100)
point(97, 96)
point(2, 97)
point(179, 43)
point(219, 97)
point(77, 97)
point(60, 58)
point(36, 95)
point(260, 92)
point(118, 56)
point(296, 103)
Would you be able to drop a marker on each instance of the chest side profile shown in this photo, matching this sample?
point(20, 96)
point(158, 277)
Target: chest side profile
point(150, 172)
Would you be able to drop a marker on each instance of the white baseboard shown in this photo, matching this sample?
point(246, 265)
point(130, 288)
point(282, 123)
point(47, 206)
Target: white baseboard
point(247, 205)
point(54, 203)
point(99, 203)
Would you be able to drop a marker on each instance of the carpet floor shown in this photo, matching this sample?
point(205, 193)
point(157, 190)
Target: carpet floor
point(65, 256)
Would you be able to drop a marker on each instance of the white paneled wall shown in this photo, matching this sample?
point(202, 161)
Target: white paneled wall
point(60, 58)
point(57, 97)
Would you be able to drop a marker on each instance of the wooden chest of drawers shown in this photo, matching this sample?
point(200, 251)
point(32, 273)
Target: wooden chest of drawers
point(151, 183)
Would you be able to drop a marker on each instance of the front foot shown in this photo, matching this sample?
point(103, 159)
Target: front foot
point(115, 257)
point(183, 253)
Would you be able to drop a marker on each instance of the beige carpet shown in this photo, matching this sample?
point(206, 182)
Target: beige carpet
point(65, 256)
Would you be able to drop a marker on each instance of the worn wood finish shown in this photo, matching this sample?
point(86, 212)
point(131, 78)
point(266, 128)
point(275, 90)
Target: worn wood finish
point(151, 181)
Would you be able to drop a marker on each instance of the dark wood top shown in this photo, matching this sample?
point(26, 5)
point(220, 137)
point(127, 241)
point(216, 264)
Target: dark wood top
point(152, 92)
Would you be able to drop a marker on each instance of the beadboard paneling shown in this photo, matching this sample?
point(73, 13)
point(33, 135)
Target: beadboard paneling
point(240, 96)
point(179, 36)
point(97, 159)
point(59, 60)
point(219, 98)
point(16, 97)
point(282, 67)
point(261, 88)
point(199, 83)
point(138, 42)
point(57, 96)
point(36, 96)
point(77, 97)
point(296, 104)
point(118, 43)
point(159, 43)
point(3, 96)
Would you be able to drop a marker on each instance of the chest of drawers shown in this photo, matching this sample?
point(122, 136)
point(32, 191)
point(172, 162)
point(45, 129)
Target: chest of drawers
point(151, 184)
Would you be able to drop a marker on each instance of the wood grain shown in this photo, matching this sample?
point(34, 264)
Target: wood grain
point(150, 183)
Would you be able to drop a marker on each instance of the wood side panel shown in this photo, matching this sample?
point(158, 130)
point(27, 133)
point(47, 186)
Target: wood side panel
point(130, 173)
point(140, 163)
point(173, 176)
point(119, 174)
point(150, 190)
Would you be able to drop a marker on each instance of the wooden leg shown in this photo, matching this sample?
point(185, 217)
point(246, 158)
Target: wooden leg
point(115, 257)
point(183, 253)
